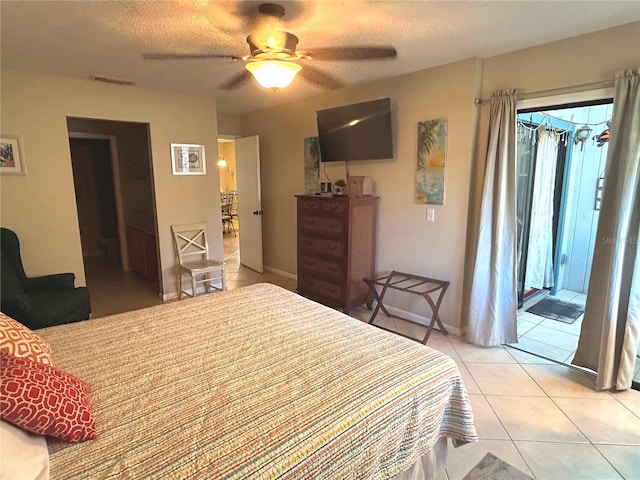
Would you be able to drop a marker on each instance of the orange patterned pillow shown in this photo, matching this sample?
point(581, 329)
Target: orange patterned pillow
point(19, 341)
point(45, 400)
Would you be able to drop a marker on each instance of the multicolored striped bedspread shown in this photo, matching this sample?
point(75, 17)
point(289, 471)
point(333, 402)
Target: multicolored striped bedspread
point(258, 383)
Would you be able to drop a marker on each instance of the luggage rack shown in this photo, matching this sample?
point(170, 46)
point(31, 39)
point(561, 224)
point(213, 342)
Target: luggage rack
point(424, 287)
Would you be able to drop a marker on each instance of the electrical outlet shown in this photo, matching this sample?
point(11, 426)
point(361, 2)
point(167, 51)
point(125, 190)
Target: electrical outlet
point(431, 215)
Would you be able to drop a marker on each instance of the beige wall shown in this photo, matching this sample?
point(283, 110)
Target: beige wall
point(406, 241)
point(229, 124)
point(41, 208)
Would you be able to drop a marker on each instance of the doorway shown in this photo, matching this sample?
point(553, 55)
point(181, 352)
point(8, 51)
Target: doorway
point(98, 216)
point(116, 213)
point(561, 156)
point(229, 204)
point(240, 187)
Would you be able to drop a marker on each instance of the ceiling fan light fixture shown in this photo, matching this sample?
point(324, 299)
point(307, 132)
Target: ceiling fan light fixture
point(273, 73)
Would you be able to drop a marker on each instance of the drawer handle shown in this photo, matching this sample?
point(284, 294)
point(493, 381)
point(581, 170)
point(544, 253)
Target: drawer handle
point(310, 263)
point(334, 225)
point(308, 221)
point(333, 247)
point(333, 269)
point(309, 243)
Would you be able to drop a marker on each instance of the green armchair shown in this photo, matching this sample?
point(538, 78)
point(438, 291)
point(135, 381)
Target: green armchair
point(37, 302)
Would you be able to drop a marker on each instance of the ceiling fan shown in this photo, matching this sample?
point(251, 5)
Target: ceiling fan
point(273, 59)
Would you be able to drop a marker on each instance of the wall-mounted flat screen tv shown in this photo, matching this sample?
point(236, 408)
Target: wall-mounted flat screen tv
point(361, 131)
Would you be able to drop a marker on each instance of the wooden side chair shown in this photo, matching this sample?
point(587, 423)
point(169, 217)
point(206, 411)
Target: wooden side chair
point(192, 255)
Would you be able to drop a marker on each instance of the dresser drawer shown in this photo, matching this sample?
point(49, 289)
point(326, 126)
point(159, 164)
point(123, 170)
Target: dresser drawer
point(327, 226)
point(334, 208)
point(324, 267)
point(321, 288)
point(309, 205)
point(321, 246)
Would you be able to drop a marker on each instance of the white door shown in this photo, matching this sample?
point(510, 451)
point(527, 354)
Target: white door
point(249, 202)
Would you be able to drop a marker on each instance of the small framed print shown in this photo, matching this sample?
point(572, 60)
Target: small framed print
point(188, 159)
point(11, 159)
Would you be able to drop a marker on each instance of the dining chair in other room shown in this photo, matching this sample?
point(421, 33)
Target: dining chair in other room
point(192, 255)
point(233, 210)
point(227, 218)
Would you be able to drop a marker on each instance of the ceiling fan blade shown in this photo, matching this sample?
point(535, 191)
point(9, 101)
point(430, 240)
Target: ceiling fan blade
point(237, 81)
point(187, 56)
point(318, 77)
point(351, 53)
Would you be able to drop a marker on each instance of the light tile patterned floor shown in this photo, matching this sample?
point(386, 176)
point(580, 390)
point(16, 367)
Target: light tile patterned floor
point(553, 339)
point(541, 417)
point(550, 338)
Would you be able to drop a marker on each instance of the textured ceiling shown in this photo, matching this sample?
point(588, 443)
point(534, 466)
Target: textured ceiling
point(81, 39)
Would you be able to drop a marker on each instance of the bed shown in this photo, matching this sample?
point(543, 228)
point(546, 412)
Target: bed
point(256, 382)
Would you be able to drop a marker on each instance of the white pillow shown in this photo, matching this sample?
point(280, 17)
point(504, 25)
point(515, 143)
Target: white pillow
point(23, 455)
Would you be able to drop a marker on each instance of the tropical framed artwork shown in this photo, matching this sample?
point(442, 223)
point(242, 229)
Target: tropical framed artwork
point(431, 162)
point(188, 159)
point(11, 157)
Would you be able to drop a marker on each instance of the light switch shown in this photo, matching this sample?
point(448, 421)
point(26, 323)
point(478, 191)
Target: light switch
point(431, 215)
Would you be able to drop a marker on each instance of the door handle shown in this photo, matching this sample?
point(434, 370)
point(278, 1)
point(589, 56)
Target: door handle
point(258, 212)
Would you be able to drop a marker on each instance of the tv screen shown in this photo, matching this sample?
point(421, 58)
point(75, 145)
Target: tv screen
point(361, 131)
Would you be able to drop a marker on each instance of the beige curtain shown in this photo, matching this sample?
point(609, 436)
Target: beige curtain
point(609, 337)
point(493, 302)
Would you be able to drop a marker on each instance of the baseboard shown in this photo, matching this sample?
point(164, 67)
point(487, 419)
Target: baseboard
point(282, 273)
point(169, 296)
point(422, 320)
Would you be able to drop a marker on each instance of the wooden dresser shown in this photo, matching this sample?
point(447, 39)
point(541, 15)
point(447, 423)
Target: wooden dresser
point(336, 249)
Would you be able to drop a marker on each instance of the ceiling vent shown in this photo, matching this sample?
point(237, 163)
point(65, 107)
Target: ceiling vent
point(111, 80)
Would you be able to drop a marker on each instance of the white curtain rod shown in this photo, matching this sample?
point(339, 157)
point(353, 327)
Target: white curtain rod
point(557, 91)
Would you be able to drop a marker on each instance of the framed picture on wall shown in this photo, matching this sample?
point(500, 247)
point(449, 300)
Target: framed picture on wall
point(188, 159)
point(11, 159)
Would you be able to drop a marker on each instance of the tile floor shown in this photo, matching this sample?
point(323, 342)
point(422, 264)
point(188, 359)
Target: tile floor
point(238, 275)
point(541, 417)
point(553, 339)
point(114, 291)
point(550, 338)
